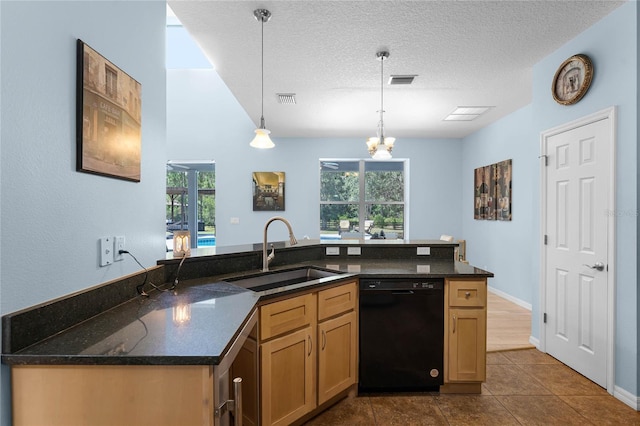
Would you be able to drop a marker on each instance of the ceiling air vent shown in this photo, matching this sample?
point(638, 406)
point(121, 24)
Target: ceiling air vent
point(286, 98)
point(401, 79)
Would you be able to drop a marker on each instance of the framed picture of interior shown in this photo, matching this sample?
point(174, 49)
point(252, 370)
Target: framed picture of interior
point(268, 191)
point(108, 117)
point(503, 190)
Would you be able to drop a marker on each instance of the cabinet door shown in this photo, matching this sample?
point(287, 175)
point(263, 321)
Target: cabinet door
point(337, 355)
point(467, 344)
point(288, 382)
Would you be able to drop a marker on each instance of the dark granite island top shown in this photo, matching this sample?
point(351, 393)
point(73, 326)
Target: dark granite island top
point(191, 325)
point(150, 330)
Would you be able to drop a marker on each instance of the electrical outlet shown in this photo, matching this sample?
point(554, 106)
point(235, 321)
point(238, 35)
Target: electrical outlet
point(332, 251)
point(235, 220)
point(119, 245)
point(106, 251)
point(353, 251)
point(423, 251)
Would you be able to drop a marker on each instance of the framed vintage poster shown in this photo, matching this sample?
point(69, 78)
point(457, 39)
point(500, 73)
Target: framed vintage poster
point(268, 191)
point(503, 190)
point(108, 118)
point(492, 191)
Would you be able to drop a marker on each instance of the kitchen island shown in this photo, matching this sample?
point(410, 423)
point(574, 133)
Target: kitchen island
point(177, 347)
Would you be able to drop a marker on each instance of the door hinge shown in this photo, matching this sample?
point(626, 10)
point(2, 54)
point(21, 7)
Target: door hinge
point(545, 239)
point(544, 318)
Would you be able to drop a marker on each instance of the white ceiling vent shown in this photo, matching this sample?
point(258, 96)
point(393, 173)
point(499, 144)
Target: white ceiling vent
point(401, 79)
point(286, 98)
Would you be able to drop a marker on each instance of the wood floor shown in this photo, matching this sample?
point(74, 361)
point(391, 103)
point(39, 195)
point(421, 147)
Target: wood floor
point(508, 325)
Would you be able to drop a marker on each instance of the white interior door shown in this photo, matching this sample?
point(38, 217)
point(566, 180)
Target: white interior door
point(576, 271)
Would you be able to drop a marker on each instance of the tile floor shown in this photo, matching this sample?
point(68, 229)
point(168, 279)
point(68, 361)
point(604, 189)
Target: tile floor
point(523, 387)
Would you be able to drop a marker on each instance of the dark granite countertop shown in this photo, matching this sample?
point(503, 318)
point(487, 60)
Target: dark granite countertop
point(191, 325)
point(151, 331)
point(381, 268)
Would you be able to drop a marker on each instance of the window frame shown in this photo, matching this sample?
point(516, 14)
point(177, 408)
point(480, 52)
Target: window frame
point(362, 203)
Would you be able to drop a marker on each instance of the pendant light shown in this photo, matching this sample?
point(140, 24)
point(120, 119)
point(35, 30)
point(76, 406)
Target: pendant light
point(262, 139)
point(380, 147)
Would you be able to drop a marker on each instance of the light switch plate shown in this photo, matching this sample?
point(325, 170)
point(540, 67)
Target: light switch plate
point(333, 251)
point(353, 251)
point(106, 251)
point(424, 251)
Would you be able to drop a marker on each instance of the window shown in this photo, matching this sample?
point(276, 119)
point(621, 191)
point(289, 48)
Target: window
point(362, 199)
point(111, 82)
point(187, 181)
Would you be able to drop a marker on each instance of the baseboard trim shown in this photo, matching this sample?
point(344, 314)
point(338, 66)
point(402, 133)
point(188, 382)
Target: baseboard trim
point(535, 342)
point(510, 298)
point(627, 397)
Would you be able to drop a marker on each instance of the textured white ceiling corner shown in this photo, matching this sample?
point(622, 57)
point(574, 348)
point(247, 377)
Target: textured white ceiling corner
point(465, 53)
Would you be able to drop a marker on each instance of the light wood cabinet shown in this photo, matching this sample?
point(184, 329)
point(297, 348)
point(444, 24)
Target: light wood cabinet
point(465, 335)
point(338, 340)
point(288, 387)
point(308, 352)
point(337, 356)
point(112, 395)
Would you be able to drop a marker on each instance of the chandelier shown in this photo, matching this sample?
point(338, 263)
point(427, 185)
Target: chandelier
point(380, 147)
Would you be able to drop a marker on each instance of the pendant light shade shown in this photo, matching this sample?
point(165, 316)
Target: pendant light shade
point(262, 139)
point(380, 147)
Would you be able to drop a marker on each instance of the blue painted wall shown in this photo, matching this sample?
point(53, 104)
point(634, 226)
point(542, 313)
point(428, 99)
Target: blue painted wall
point(205, 122)
point(504, 248)
point(512, 251)
point(612, 44)
point(53, 216)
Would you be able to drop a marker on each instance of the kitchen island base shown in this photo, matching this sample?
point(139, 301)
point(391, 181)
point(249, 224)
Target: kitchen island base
point(62, 395)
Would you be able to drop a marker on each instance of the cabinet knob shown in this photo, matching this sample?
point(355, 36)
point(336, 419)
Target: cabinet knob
point(467, 294)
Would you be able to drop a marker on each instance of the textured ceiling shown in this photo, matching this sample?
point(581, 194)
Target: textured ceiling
point(465, 53)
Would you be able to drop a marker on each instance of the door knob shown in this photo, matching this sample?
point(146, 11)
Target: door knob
point(599, 266)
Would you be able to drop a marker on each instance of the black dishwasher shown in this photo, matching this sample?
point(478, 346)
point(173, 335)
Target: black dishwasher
point(401, 334)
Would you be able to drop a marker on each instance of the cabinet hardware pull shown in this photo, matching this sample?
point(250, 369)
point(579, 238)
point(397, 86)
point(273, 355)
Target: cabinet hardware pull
point(237, 390)
point(232, 405)
point(324, 340)
point(467, 294)
point(454, 324)
point(310, 345)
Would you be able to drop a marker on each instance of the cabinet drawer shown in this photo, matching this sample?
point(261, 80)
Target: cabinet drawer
point(471, 293)
point(286, 315)
point(337, 300)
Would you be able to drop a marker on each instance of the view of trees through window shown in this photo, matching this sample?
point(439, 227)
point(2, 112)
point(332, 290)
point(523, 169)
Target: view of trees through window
point(364, 192)
point(197, 181)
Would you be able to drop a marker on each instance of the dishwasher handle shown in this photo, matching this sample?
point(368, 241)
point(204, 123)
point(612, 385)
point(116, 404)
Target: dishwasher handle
point(399, 292)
